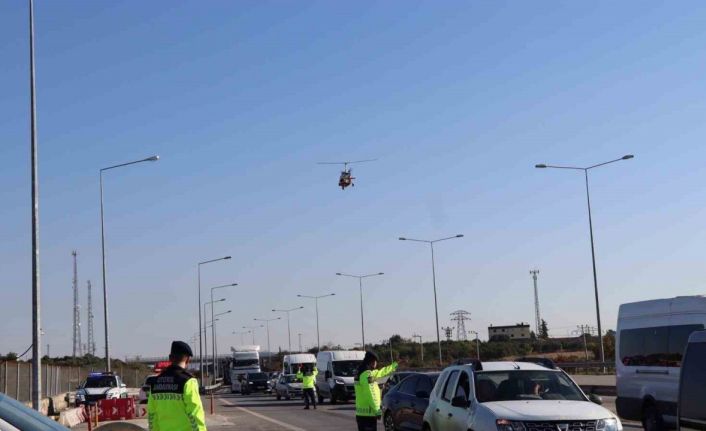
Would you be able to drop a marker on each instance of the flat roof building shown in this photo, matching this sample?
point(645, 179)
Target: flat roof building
point(520, 331)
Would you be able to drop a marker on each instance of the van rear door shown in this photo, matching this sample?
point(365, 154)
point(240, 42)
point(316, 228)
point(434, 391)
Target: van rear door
point(692, 386)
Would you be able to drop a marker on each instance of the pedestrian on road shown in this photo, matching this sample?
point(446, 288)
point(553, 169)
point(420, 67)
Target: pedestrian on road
point(174, 403)
point(367, 392)
point(308, 377)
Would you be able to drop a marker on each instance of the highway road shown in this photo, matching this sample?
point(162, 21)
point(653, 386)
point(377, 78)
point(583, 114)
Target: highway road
point(264, 413)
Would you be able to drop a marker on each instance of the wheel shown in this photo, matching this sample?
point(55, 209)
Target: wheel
point(320, 397)
point(333, 399)
point(651, 418)
point(279, 397)
point(389, 422)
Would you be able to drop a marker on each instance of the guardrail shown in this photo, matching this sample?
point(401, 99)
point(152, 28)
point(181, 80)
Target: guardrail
point(587, 367)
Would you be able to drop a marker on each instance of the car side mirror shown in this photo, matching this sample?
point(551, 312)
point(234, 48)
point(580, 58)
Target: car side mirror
point(460, 401)
point(123, 385)
point(595, 399)
point(422, 394)
point(327, 374)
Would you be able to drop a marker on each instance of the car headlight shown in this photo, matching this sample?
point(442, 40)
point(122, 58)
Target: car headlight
point(609, 424)
point(80, 397)
point(339, 381)
point(506, 425)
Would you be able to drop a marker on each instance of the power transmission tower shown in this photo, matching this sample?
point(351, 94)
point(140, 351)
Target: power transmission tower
point(460, 317)
point(91, 348)
point(537, 319)
point(77, 311)
point(448, 331)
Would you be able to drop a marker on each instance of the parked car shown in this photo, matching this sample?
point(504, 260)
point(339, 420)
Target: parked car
point(393, 379)
point(692, 387)
point(650, 341)
point(257, 382)
point(404, 404)
point(146, 388)
point(16, 416)
point(100, 386)
point(288, 387)
point(513, 396)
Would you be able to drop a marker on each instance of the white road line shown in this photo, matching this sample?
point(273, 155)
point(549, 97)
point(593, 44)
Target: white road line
point(263, 417)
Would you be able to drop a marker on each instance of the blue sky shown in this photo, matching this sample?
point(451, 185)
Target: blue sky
point(458, 100)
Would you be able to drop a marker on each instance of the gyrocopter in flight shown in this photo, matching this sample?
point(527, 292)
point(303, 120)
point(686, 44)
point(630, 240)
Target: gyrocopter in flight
point(346, 179)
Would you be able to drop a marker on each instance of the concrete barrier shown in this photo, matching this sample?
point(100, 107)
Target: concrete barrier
point(72, 417)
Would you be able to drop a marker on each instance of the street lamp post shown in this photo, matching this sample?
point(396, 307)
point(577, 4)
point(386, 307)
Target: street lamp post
point(316, 301)
point(214, 343)
point(360, 286)
point(201, 349)
point(267, 323)
point(205, 328)
point(105, 292)
point(300, 342)
point(252, 330)
point(477, 344)
point(213, 329)
point(590, 228)
point(289, 330)
point(433, 275)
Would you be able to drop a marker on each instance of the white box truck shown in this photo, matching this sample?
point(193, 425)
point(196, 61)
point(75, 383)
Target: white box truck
point(246, 359)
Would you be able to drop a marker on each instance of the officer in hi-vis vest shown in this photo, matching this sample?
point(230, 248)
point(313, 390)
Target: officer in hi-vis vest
point(174, 403)
point(367, 392)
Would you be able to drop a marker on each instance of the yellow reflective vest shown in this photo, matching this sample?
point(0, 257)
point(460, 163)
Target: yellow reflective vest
point(174, 403)
point(367, 391)
point(307, 379)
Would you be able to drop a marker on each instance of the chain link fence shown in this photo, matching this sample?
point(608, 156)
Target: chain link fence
point(16, 378)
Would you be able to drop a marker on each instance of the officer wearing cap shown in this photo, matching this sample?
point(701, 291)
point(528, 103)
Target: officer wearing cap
point(174, 403)
point(367, 391)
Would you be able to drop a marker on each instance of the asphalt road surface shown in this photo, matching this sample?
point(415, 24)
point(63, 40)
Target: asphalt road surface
point(264, 413)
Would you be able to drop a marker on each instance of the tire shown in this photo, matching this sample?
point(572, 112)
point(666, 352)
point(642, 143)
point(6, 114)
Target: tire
point(279, 397)
point(651, 418)
point(321, 399)
point(388, 422)
point(333, 399)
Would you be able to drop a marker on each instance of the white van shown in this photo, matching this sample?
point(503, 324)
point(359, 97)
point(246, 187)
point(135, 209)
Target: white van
point(290, 363)
point(692, 388)
point(650, 342)
point(337, 369)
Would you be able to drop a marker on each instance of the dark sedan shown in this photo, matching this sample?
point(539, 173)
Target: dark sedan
point(258, 382)
point(404, 404)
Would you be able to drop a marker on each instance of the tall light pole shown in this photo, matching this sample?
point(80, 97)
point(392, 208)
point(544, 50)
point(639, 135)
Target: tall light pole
point(289, 330)
point(316, 301)
point(205, 335)
point(477, 344)
point(201, 349)
point(267, 323)
point(252, 330)
point(105, 292)
point(360, 286)
point(36, 305)
point(590, 229)
point(241, 333)
point(433, 275)
point(213, 328)
point(215, 345)
point(300, 342)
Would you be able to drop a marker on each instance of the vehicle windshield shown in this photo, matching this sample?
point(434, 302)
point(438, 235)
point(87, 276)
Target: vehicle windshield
point(346, 368)
point(100, 382)
point(245, 362)
point(525, 385)
point(257, 376)
point(290, 378)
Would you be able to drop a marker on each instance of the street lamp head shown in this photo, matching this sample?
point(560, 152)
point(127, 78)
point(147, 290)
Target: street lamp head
point(298, 295)
point(402, 239)
point(152, 159)
point(459, 235)
point(628, 157)
point(226, 258)
point(221, 300)
point(338, 273)
point(301, 307)
point(381, 273)
point(273, 310)
point(540, 166)
point(229, 311)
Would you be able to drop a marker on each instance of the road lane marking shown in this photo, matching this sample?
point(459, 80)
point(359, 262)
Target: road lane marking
point(263, 417)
